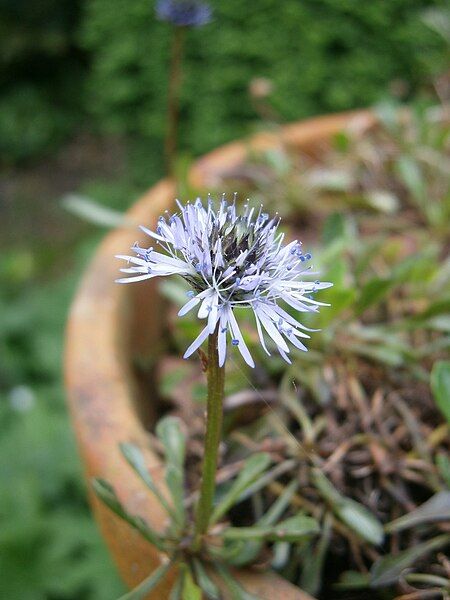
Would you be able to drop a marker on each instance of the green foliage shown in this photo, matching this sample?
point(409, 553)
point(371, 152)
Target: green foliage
point(178, 543)
point(30, 124)
point(49, 545)
point(321, 56)
point(440, 384)
point(253, 468)
point(144, 588)
point(434, 510)
point(388, 569)
point(353, 514)
point(41, 76)
point(62, 61)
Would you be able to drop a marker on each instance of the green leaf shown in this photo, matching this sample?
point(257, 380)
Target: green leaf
point(177, 588)
point(265, 478)
point(107, 494)
point(313, 561)
point(143, 589)
point(136, 460)
point(411, 175)
point(356, 516)
point(279, 506)
point(365, 254)
point(205, 582)
point(443, 465)
point(230, 552)
point(433, 510)
point(417, 268)
point(386, 354)
point(361, 520)
point(333, 228)
point(340, 299)
point(175, 483)
point(94, 212)
point(191, 591)
point(352, 580)
point(387, 569)
point(290, 530)
point(248, 551)
point(438, 308)
point(337, 272)
point(253, 467)
point(237, 592)
point(240, 553)
point(440, 385)
point(372, 292)
point(174, 441)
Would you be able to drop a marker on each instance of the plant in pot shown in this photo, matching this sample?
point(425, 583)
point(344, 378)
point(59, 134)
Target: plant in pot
point(231, 261)
point(355, 440)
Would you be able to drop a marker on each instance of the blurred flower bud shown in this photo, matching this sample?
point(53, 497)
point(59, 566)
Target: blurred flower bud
point(184, 13)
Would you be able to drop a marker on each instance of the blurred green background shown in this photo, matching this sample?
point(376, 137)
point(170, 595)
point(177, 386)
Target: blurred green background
point(82, 111)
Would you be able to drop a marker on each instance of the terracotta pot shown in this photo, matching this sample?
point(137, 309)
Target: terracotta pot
point(110, 323)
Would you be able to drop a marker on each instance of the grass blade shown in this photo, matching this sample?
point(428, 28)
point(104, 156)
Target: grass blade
point(253, 467)
point(136, 460)
point(143, 589)
point(107, 494)
point(387, 570)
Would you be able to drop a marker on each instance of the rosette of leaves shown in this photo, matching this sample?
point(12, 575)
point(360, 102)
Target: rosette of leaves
point(207, 569)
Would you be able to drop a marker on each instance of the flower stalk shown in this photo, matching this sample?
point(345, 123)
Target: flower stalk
point(214, 417)
point(173, 99)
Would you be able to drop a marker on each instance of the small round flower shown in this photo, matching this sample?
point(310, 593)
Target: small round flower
point(231, 260)
point(184, 13)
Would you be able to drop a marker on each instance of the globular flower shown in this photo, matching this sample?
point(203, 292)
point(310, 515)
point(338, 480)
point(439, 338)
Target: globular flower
point(231, 261)
point(184, 13)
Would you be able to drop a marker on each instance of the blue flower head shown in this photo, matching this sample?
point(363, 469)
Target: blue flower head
point(232, 260)
point(184, 13)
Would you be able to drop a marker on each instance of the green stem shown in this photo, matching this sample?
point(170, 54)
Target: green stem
point(173, 99)
point(216, 377)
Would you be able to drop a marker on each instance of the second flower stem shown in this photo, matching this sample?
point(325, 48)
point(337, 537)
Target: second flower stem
point(173, 101)
point(214, 412)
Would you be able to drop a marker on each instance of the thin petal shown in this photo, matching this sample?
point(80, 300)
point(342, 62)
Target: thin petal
point(289, 299)
point(133, 259)
point(134, 270)
point(238, 336)
point(271, 329)
point(290, 319)
point(131, 279)
point(295, 342)
point(213, 313)
point(188, 306)
point(222, 339)
point(203, 311)
point(197, 342)
point(285, 356)
point(260, 333)
point(152, 234)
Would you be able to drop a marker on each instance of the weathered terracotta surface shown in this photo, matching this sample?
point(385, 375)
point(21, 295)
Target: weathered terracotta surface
point(105, 320)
